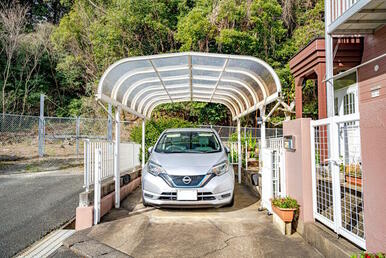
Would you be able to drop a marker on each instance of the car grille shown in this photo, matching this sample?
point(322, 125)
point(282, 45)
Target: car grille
point(172, 196)
point(195, 180)
point(177, 181)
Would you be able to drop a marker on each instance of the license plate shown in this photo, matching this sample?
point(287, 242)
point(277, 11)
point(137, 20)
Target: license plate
point(187, 195)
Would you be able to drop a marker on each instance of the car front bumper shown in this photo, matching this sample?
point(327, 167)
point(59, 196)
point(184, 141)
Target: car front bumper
point(215, 193)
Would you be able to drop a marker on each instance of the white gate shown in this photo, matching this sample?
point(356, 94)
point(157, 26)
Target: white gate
point(277, 152)
point(337, 175)
point(273, 171)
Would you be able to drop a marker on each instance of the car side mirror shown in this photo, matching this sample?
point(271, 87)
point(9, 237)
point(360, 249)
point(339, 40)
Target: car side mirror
point(150, 150)
point(227, 150)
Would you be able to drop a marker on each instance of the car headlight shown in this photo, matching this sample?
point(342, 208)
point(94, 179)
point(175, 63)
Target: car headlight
point(220, 168)
point(154, 169)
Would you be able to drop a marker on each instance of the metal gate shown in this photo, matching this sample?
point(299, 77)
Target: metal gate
point(337, 176)
point(275, 146)
point(273, 171)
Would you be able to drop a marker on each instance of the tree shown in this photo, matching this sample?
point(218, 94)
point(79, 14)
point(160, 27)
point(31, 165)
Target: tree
point(12, 22)
point(34, 46)
point(86, 36)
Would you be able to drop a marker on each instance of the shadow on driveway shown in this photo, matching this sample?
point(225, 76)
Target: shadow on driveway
point(239, 231)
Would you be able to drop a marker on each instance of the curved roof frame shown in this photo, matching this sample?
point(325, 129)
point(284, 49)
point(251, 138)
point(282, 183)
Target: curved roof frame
point(139, 84)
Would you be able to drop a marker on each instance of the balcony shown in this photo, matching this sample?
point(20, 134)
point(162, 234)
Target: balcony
point(356, 17)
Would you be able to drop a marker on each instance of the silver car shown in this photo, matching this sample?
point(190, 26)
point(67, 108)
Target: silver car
point(188, 168)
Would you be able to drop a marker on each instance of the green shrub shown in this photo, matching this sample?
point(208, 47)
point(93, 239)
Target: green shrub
point(285, 203)
point(154, 128)
point(368, 255)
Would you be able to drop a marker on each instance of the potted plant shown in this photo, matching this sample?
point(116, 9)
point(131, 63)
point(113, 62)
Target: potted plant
point(353, 174)
point(285, 208)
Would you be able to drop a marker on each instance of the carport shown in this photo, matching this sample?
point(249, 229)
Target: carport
point(137, 85)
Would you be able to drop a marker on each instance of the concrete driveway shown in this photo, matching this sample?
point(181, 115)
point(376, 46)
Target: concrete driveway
point(33, 204)
point(240, 231)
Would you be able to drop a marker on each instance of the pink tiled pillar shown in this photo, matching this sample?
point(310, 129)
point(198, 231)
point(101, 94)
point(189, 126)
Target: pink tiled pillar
point(298, 168)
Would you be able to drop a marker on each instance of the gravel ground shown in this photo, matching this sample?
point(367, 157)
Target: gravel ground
point(33, 204)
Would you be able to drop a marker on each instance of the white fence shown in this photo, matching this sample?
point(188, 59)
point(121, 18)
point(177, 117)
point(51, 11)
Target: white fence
point(128, 157)
point(337, 176)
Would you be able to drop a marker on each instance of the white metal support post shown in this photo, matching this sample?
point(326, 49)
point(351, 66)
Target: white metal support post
point(97, 185)
point(109, 123)
point(239, 150)
point(333, 143)
point(266, 170)
point(246, 148)
point(329, 61)
point(143, 142)
point(117, 174)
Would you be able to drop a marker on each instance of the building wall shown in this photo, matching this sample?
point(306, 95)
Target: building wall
point(298, 168)
point(373, 140)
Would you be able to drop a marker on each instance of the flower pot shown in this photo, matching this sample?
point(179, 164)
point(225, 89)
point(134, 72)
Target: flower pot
point(354, 180)
point(287, 215)
point(253, 163)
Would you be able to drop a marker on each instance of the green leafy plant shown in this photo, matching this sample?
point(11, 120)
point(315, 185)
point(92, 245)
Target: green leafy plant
point(285, 203)
point(368, 255)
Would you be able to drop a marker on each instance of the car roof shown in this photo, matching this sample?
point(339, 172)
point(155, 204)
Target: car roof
point(189, 130)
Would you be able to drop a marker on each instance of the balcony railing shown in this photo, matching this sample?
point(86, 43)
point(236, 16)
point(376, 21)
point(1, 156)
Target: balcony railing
point(356, 17)
point(338, 7)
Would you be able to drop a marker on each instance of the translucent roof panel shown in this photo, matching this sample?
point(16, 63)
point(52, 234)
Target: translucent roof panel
point(139, 84)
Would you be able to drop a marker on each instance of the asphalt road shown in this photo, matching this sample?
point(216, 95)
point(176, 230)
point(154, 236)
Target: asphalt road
point(32, 205)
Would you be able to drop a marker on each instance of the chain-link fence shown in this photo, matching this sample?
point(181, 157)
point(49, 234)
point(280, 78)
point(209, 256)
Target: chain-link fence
point(57, 145)
point(229, 133)
point(29, 143)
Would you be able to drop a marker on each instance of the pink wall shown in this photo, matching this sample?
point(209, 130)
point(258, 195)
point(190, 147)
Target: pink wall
point(373, 141)
point(298, 168)
point(85, 215)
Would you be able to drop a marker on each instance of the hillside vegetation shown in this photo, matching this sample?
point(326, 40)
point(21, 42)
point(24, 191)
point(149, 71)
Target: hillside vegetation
point(61, 47)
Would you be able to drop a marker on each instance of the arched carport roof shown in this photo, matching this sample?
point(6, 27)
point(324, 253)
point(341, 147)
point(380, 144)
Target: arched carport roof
point(139, 84)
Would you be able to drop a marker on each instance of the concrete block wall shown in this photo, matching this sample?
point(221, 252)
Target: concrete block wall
point(85, 211)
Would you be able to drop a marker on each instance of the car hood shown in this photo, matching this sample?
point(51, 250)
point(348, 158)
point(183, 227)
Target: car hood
point(187, 163)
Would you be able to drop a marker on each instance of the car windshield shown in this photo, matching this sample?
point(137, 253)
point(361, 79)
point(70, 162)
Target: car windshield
point(188, 142)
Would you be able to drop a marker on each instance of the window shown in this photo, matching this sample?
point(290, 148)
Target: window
point(188, 142)
point(345, 81)
point(349, 104)
point(346, 95)
point(336, 106)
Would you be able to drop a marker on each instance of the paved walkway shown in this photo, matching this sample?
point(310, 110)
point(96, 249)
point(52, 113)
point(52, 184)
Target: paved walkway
point(240, 231)
point(34, 204)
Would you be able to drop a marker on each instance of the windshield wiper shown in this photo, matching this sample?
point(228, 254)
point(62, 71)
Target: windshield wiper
point(212, 151)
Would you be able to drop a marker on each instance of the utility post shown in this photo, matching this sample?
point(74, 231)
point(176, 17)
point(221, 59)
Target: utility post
point(77, 134)
point(41, 127)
